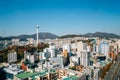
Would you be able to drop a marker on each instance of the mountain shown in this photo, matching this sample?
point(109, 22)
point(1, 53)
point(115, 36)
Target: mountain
point(1, 37)
point(47, 35)
point(96, 34)
point(42, 35)
point(69, 36)
point(101, 35)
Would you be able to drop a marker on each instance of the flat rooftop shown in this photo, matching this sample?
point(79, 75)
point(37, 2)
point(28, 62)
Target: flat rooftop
point(25, 75)
point(70, 78)
point(13, 69)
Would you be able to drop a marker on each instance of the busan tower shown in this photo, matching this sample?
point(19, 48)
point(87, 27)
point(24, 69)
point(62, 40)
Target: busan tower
point(37, 35)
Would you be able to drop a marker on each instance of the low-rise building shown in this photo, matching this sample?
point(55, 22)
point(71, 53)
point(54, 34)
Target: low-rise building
point(12, 70)
point(69, 74)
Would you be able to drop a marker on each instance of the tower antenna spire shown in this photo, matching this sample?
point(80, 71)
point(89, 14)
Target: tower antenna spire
point(37, 34)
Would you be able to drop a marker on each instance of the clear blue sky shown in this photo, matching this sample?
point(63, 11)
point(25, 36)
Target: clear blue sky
point(59, 16)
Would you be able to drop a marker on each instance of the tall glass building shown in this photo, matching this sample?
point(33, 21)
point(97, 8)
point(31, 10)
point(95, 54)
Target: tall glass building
point(104, 48)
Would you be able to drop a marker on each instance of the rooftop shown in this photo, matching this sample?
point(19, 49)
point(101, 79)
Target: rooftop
point(13, 69)
point(52, 71)
point(70, 78)
point(25, 75)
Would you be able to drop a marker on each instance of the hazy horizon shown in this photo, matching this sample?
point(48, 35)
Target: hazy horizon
point(58, 35)
point(59, 17)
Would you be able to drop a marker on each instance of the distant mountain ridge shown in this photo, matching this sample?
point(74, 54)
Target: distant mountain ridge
point(96, 34)
point(102, 35)
point(42, 35)
point(47, 35)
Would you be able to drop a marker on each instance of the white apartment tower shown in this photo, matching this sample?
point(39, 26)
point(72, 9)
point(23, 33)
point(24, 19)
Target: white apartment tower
point(81, 47)
point(85, 58)
point(12, 57)
point(118, 42)
point(67, 47)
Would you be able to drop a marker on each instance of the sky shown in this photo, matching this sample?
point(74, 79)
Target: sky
point(59, 16)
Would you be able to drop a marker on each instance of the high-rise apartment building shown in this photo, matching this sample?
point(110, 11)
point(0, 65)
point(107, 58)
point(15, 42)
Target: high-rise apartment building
point(12, 57)
point(104, 48)
point(85, 58)
point(66, 47)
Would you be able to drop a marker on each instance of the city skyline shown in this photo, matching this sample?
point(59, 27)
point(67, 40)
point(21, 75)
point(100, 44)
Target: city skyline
point(59, 17)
